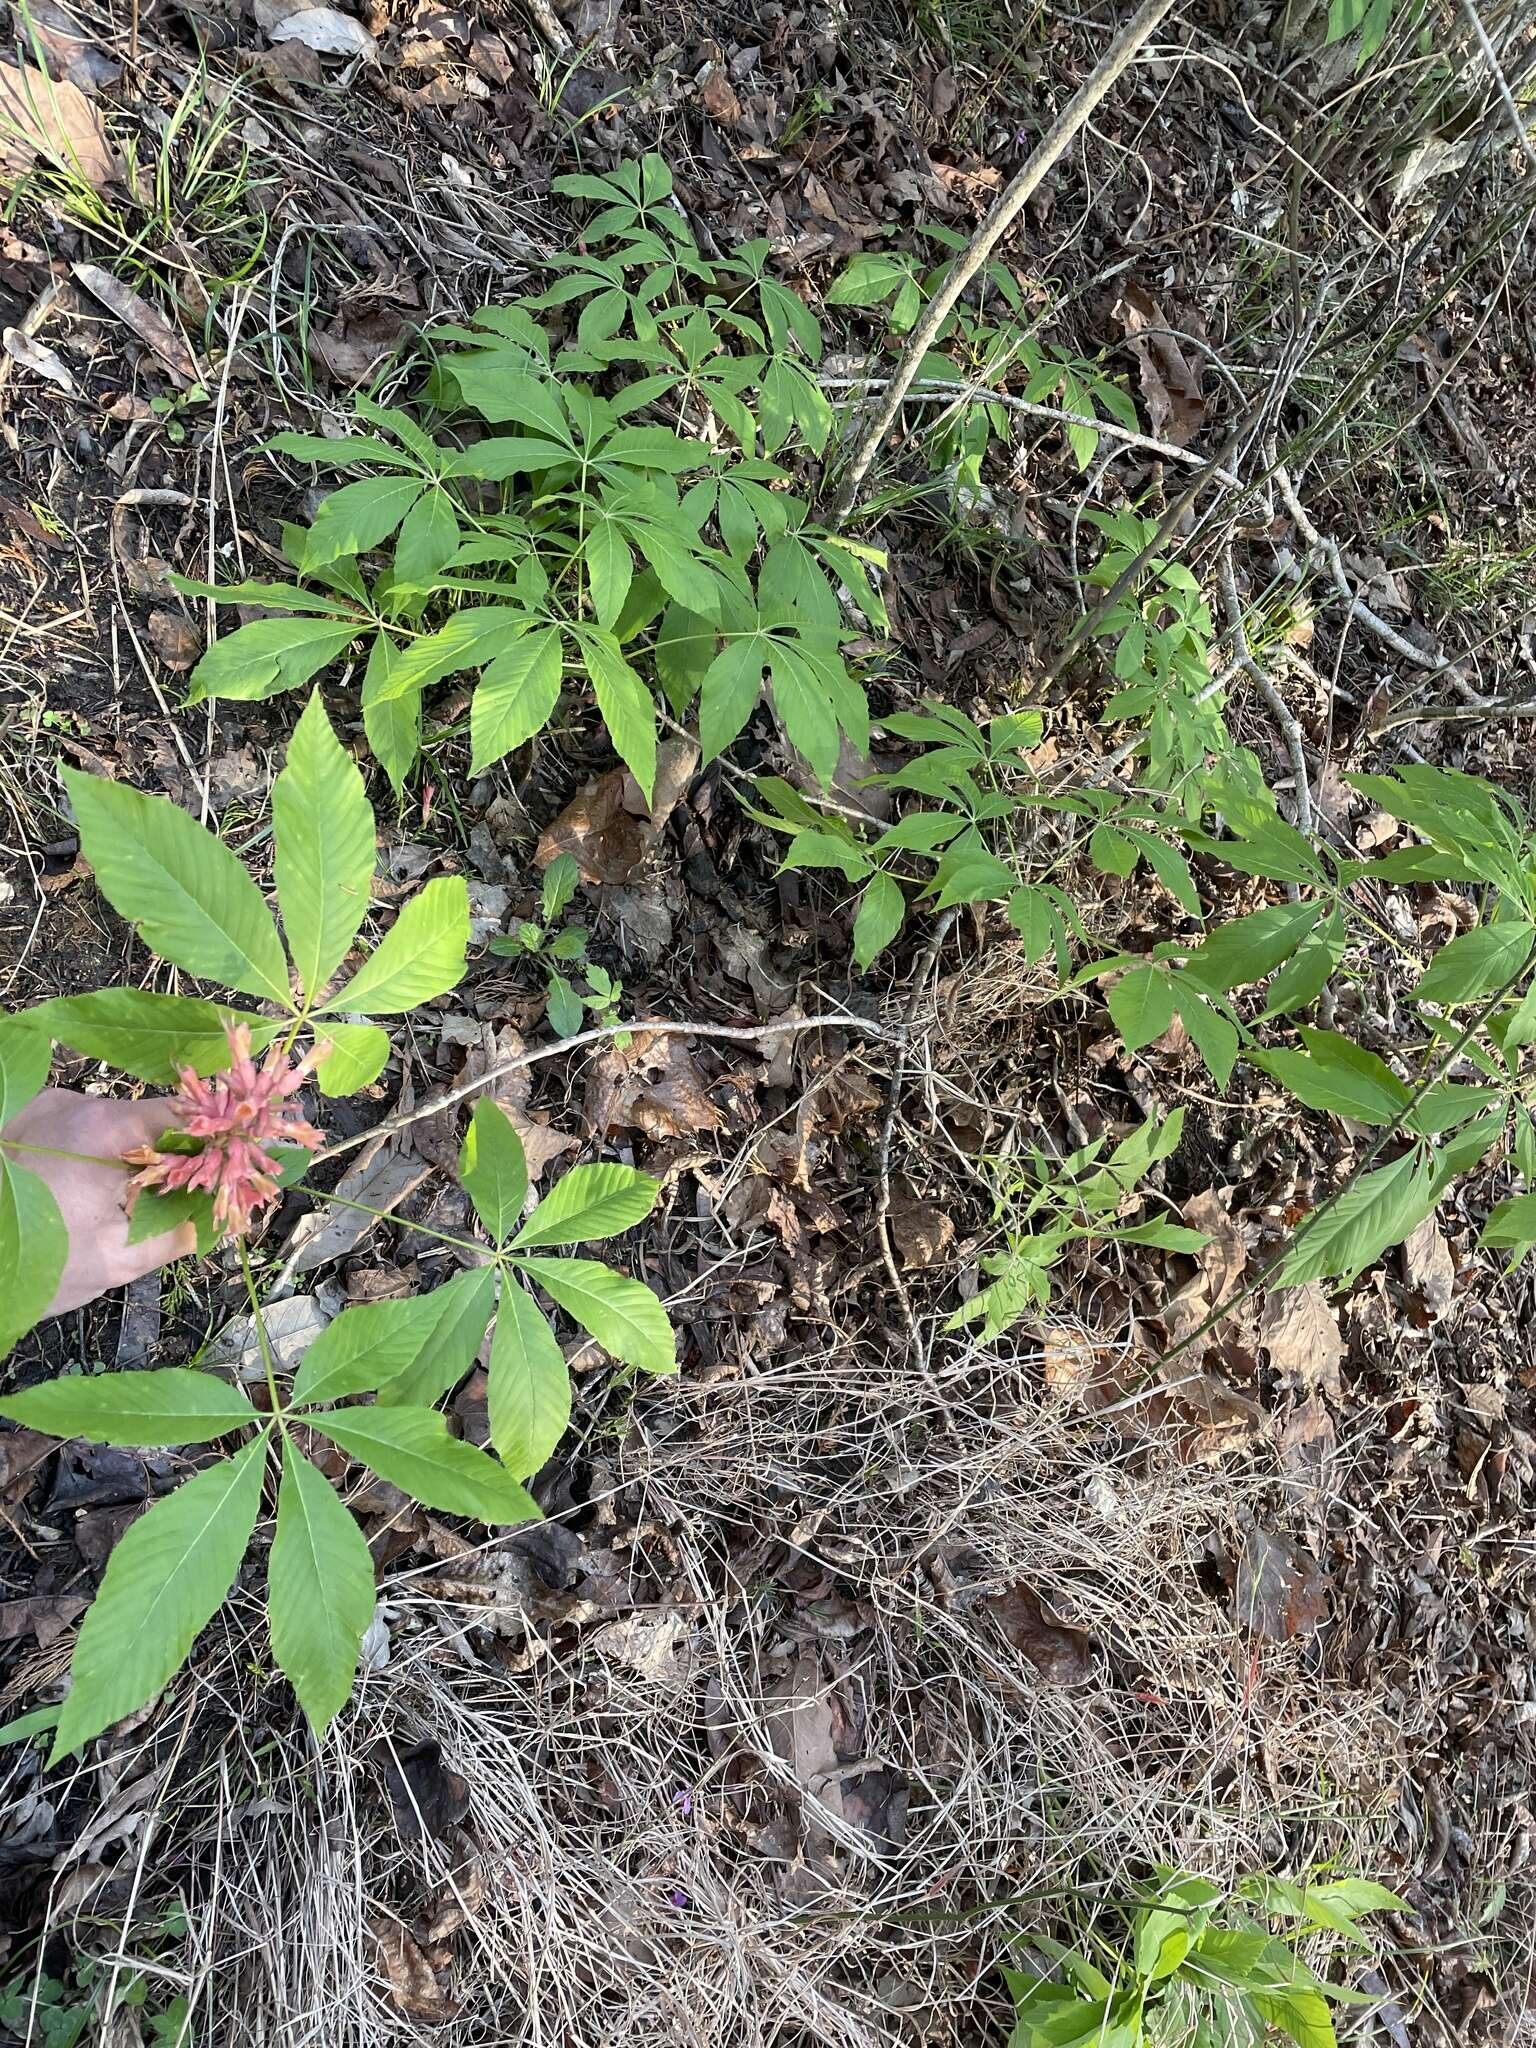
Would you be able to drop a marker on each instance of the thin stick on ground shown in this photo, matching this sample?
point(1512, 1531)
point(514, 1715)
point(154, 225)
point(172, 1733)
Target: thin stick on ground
point(1320, 546)
point(449, 1096)
point(888, 1129)
point(1010, 203)
point(1284, 717)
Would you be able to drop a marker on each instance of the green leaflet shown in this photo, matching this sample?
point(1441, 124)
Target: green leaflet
point(623, 1315)
point(529, 1390)
point(191, 899)
point(460, 1311)
point(320, 1590)
point(729, 688)
point(147, 1034)
point(380, 1344)
point(881, 910)
point(33, 1247)
point(1336, 1075)
point(25, 1058)
point(322, 827)
point(589, 1202)
point(429, 534)
point(1475, 964)
point(358, 1054)
point(1141, 1004)
point(420, 956)
point(412, 1449)
point(1250, 947)
point(171, 1405)
point(167, 1577)
point(391, 719)
point(493, 1169)
point(357, 517)
point(1342, 1238)
point(516, 697)
point(626, 706)
point(267, 657)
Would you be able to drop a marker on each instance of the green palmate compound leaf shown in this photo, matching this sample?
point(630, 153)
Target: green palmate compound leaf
point(412, 1449)
point(320, 1590)
point(1141, 1004)
point(529, 1390)
point(881, 910)
point(25, 1057)
point(494, 1169)
point(172, 1405)
point(462, 1309)
point(516, 697)
point(33, 1247)
point(1378, 1211)
point(357, 517)
point(590, 1201)
point(622, 1314)
point(192, 900)
point(356, 1058)
point(147, 1034)
point(420, 956)
point(269, 656)
point(322, 830)
point(1335, 1074)
point(165, 1580)
point(372, 1344)
point(1475, 964)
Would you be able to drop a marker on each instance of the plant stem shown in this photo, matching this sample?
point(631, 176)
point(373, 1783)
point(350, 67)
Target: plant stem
point(1010, 202)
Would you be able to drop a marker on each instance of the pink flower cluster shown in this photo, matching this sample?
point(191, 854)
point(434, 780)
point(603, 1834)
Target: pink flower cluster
point(237, 1114)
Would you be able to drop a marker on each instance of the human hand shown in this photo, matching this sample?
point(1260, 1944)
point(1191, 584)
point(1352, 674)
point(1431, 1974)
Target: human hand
point(91, 1192)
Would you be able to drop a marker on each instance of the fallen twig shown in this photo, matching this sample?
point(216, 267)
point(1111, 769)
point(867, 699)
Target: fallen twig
point(898, 1077)
point(1320, 545)
point(923, 391)
point(836, 1022)
point(1010, 202)
point(1283, 716)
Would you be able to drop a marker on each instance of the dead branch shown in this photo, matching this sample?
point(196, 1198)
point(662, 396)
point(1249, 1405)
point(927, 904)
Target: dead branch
point(1073, 117)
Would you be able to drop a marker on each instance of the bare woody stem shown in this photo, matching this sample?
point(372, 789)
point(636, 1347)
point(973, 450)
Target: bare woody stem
point(1010, 202)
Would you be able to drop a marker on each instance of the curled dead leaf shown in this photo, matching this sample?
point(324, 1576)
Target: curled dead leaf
point(326, 30)
point(175, 639)
point(1060, 1653)
point(142, 319)
point(413, 1985)
point(1169, 382)
point(653, 1085)
point(1279, 1590)
point(1429, 1268)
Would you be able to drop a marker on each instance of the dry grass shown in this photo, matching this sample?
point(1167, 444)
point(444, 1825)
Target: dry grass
point(652, 1851)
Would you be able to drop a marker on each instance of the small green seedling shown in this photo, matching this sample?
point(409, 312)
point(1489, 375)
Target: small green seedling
point(171, 410)
point(1199, 1966)
point(556, 950)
